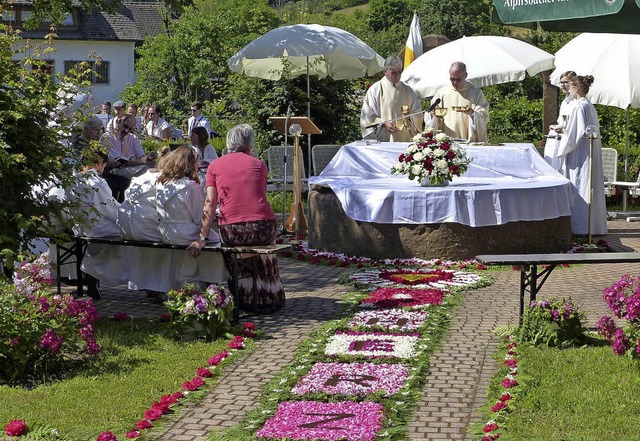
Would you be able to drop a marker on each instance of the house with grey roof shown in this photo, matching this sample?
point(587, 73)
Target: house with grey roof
point(96, 35)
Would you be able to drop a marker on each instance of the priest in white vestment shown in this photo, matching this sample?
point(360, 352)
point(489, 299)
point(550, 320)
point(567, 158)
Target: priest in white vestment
point(574, 152)
point(467, 113)
point(387, 103)
point(552, 142)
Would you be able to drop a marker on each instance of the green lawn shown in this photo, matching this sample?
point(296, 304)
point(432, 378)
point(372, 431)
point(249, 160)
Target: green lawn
point(585, 393)
point(139, 363)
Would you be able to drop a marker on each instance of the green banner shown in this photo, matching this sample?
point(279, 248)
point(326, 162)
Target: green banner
point(524, 11)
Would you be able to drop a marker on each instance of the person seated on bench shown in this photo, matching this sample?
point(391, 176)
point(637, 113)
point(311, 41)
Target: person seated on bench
point(151, 269)
point(96, 217)
point(237, 183)
point(179, 204)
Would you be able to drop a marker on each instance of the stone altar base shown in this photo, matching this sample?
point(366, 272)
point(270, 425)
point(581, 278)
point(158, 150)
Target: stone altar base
point(330, 229)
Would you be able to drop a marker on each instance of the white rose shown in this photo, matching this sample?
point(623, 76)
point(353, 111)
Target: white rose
point(441, 137)
point(441, 164)
point(412, 148)
point(438, 153)
point(418, 156)
point(416, 169)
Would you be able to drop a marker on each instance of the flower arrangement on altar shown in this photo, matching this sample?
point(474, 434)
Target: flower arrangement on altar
point(196, 313)
point(432, 157)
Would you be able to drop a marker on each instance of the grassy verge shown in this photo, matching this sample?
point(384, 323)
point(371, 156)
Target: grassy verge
point(139, 362)
point(584, 393)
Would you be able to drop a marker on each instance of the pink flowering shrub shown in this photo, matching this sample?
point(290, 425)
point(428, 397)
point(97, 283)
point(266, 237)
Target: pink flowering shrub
point(39, 330)
point(623, 298)
point(552, 322)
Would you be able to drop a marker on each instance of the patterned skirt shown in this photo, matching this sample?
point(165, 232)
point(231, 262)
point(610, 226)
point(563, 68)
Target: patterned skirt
point(268, 282)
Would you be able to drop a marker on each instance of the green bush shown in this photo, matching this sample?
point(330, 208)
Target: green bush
point(552, 322)
point(516, 119)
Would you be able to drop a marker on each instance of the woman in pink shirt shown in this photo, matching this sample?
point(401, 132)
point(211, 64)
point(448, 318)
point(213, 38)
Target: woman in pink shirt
point(237, 184)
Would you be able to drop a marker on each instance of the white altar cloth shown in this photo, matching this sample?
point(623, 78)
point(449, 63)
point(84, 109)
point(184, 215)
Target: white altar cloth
point(506, 183)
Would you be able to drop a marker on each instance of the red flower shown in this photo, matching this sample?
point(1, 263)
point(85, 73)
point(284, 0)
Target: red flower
point(165, 317)
point(506, 397)
point(193, 384)
point(218, 358)
point(15, 428)
point(178, 395)
point(106, 436)
point(299, 257)
point(236, 343)
point(153, 414)
point(168, 399)
point(512, 363)
point(133, 434)
point(203, 372)
point(508, 383)
point(446, 146)
point(162, 407)
point(143, 424)
point(498, 406)
point(490, 427)
point(248, 333)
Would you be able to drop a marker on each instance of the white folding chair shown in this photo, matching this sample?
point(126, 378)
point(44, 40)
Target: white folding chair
point(610, 170)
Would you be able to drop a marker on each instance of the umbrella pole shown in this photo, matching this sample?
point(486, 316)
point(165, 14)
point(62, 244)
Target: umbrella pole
point(308, 116)
point(590, 185)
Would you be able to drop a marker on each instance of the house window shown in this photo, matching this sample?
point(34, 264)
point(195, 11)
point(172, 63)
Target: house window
point(100, 70)
point(17, 16)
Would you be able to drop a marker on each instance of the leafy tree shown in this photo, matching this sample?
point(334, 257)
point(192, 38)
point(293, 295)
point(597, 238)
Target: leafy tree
point(36, 115)
point(456, 19)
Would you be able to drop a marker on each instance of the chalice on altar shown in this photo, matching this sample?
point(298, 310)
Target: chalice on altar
point(440, 112)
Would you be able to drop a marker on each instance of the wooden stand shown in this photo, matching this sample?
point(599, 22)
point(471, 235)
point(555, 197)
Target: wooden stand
point(296, 222)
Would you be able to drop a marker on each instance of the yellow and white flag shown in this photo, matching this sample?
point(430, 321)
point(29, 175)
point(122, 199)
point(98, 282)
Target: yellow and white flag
point(413, 48)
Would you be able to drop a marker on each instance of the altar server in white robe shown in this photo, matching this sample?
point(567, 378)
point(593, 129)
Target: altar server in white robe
point(467, 108)
point(389, 99)
point(574, 152)
point(555, 130)
point(151, 269)
point(106, 263)
point(179, 203)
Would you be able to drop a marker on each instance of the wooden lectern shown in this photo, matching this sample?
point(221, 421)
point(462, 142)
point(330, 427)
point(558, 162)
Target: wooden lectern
point(296, 222)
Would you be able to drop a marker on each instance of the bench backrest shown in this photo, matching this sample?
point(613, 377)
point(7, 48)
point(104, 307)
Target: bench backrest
point(275, 159)
point(321, 156)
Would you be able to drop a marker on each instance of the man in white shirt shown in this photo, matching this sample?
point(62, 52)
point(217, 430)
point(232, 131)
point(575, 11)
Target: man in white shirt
point(196, 119)
point(385, 104)
point(112, 125)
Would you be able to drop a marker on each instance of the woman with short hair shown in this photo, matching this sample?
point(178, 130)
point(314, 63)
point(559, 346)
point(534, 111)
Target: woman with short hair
point(237, 184)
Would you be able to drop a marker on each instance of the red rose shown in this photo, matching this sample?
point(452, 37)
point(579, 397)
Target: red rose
point(450, 154)
point(106, 436)
point(498, 406)
point(453, 169)
point(133, 434)
point(15, 428)
point(445, 146)
point(248, 333)
point(203, 372)
point(143, 424)
point(153, 414)
point(489, 427)
point(120, 316)
point(165, 317)
point(506, 397)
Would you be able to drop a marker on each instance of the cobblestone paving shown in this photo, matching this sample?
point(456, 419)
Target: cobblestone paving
point(459, 372)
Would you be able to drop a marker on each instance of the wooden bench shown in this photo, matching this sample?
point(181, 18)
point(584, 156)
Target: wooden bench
point(531, 280)
point(235, 258)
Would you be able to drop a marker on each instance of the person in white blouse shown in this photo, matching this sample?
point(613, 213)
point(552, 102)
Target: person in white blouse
point(200, 142)
point(582, 166)
point(179, 205)
point(555, 130)
point(157, 128)
point(96, 217)
point(197, 119)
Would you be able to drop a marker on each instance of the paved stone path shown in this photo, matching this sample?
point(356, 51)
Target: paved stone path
point(459, 371)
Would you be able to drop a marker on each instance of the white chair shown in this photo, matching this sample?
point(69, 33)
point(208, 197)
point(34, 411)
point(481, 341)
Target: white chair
point(609, 170)
point(321, 156)
point(275, 161)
